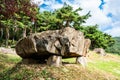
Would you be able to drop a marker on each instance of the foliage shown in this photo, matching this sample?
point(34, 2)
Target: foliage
point(60, 18)
point(16, 15)
point(14, 11)
point(70, 17)
point(98, 38)
point(116, 47)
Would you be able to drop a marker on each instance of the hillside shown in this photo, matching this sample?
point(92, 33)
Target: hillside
point(116, 47)
point(98, 68)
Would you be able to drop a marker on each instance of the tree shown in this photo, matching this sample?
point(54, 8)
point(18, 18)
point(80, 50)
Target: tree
point(16, 13)
point(116, 47)
point(27, 12)
point(63, 17)
point(71, 17)
point(98, 38)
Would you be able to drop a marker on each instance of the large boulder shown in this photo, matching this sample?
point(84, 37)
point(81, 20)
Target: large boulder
point(66, 43)
point(100, 51)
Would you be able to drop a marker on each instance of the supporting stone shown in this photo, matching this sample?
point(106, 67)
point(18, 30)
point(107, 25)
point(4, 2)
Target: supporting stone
point(54, 60)
point(81, 60)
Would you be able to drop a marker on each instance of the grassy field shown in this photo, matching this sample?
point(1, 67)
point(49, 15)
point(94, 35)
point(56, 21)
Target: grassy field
point(109, 63)
point(98, 68)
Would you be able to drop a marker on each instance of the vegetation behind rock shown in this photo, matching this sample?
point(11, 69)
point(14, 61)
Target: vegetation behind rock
point(116, 47)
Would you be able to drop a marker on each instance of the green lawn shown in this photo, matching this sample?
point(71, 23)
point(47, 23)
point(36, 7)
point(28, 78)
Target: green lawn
point(98, 68)
point(109, 63)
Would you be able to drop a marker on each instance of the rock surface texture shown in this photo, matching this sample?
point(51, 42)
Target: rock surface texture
point(66, 43)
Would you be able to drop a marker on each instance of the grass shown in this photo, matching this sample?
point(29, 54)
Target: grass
point(8, 61)
point(109, 63)
point(111, 66)
point(9, 58)
point(98, 68)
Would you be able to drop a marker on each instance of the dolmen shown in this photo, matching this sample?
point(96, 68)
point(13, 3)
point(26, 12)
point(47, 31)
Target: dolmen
point(53, 45)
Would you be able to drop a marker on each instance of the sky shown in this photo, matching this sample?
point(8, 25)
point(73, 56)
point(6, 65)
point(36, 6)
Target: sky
point(105, 13)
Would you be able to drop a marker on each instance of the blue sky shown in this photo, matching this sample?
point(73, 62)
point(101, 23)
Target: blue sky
point(105, 13)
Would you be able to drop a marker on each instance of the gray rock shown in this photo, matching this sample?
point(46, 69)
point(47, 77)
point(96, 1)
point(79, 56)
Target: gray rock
point(100, 51)
point(54, 61)
point(81, 60)
point(7, 50)
point(66, 42)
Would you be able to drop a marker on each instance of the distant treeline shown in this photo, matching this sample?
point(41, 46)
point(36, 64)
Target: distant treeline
point(116, 47)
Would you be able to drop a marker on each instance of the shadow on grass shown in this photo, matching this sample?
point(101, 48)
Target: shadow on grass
point(27, 70)
point(68, 63)
point(6, 74)
point(24, 71)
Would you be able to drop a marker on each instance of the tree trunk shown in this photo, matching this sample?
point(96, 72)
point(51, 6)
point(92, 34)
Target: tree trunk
point(31, 31)
point(1, 30)
point(15, 33)
point(1, 35)
point(35, 28)
point(67, 24)
point(7, 36)
point(24, 32)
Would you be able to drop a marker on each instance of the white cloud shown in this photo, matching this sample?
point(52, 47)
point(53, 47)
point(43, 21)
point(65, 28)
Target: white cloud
point(98, 16)
point(112, 6)
point(114, 31)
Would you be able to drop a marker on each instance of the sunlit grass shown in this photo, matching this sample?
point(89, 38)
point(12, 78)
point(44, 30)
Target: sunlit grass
point(99, 67)
point(9, 58)
point(109, 63)
point(111, 67)
point(69, 60)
